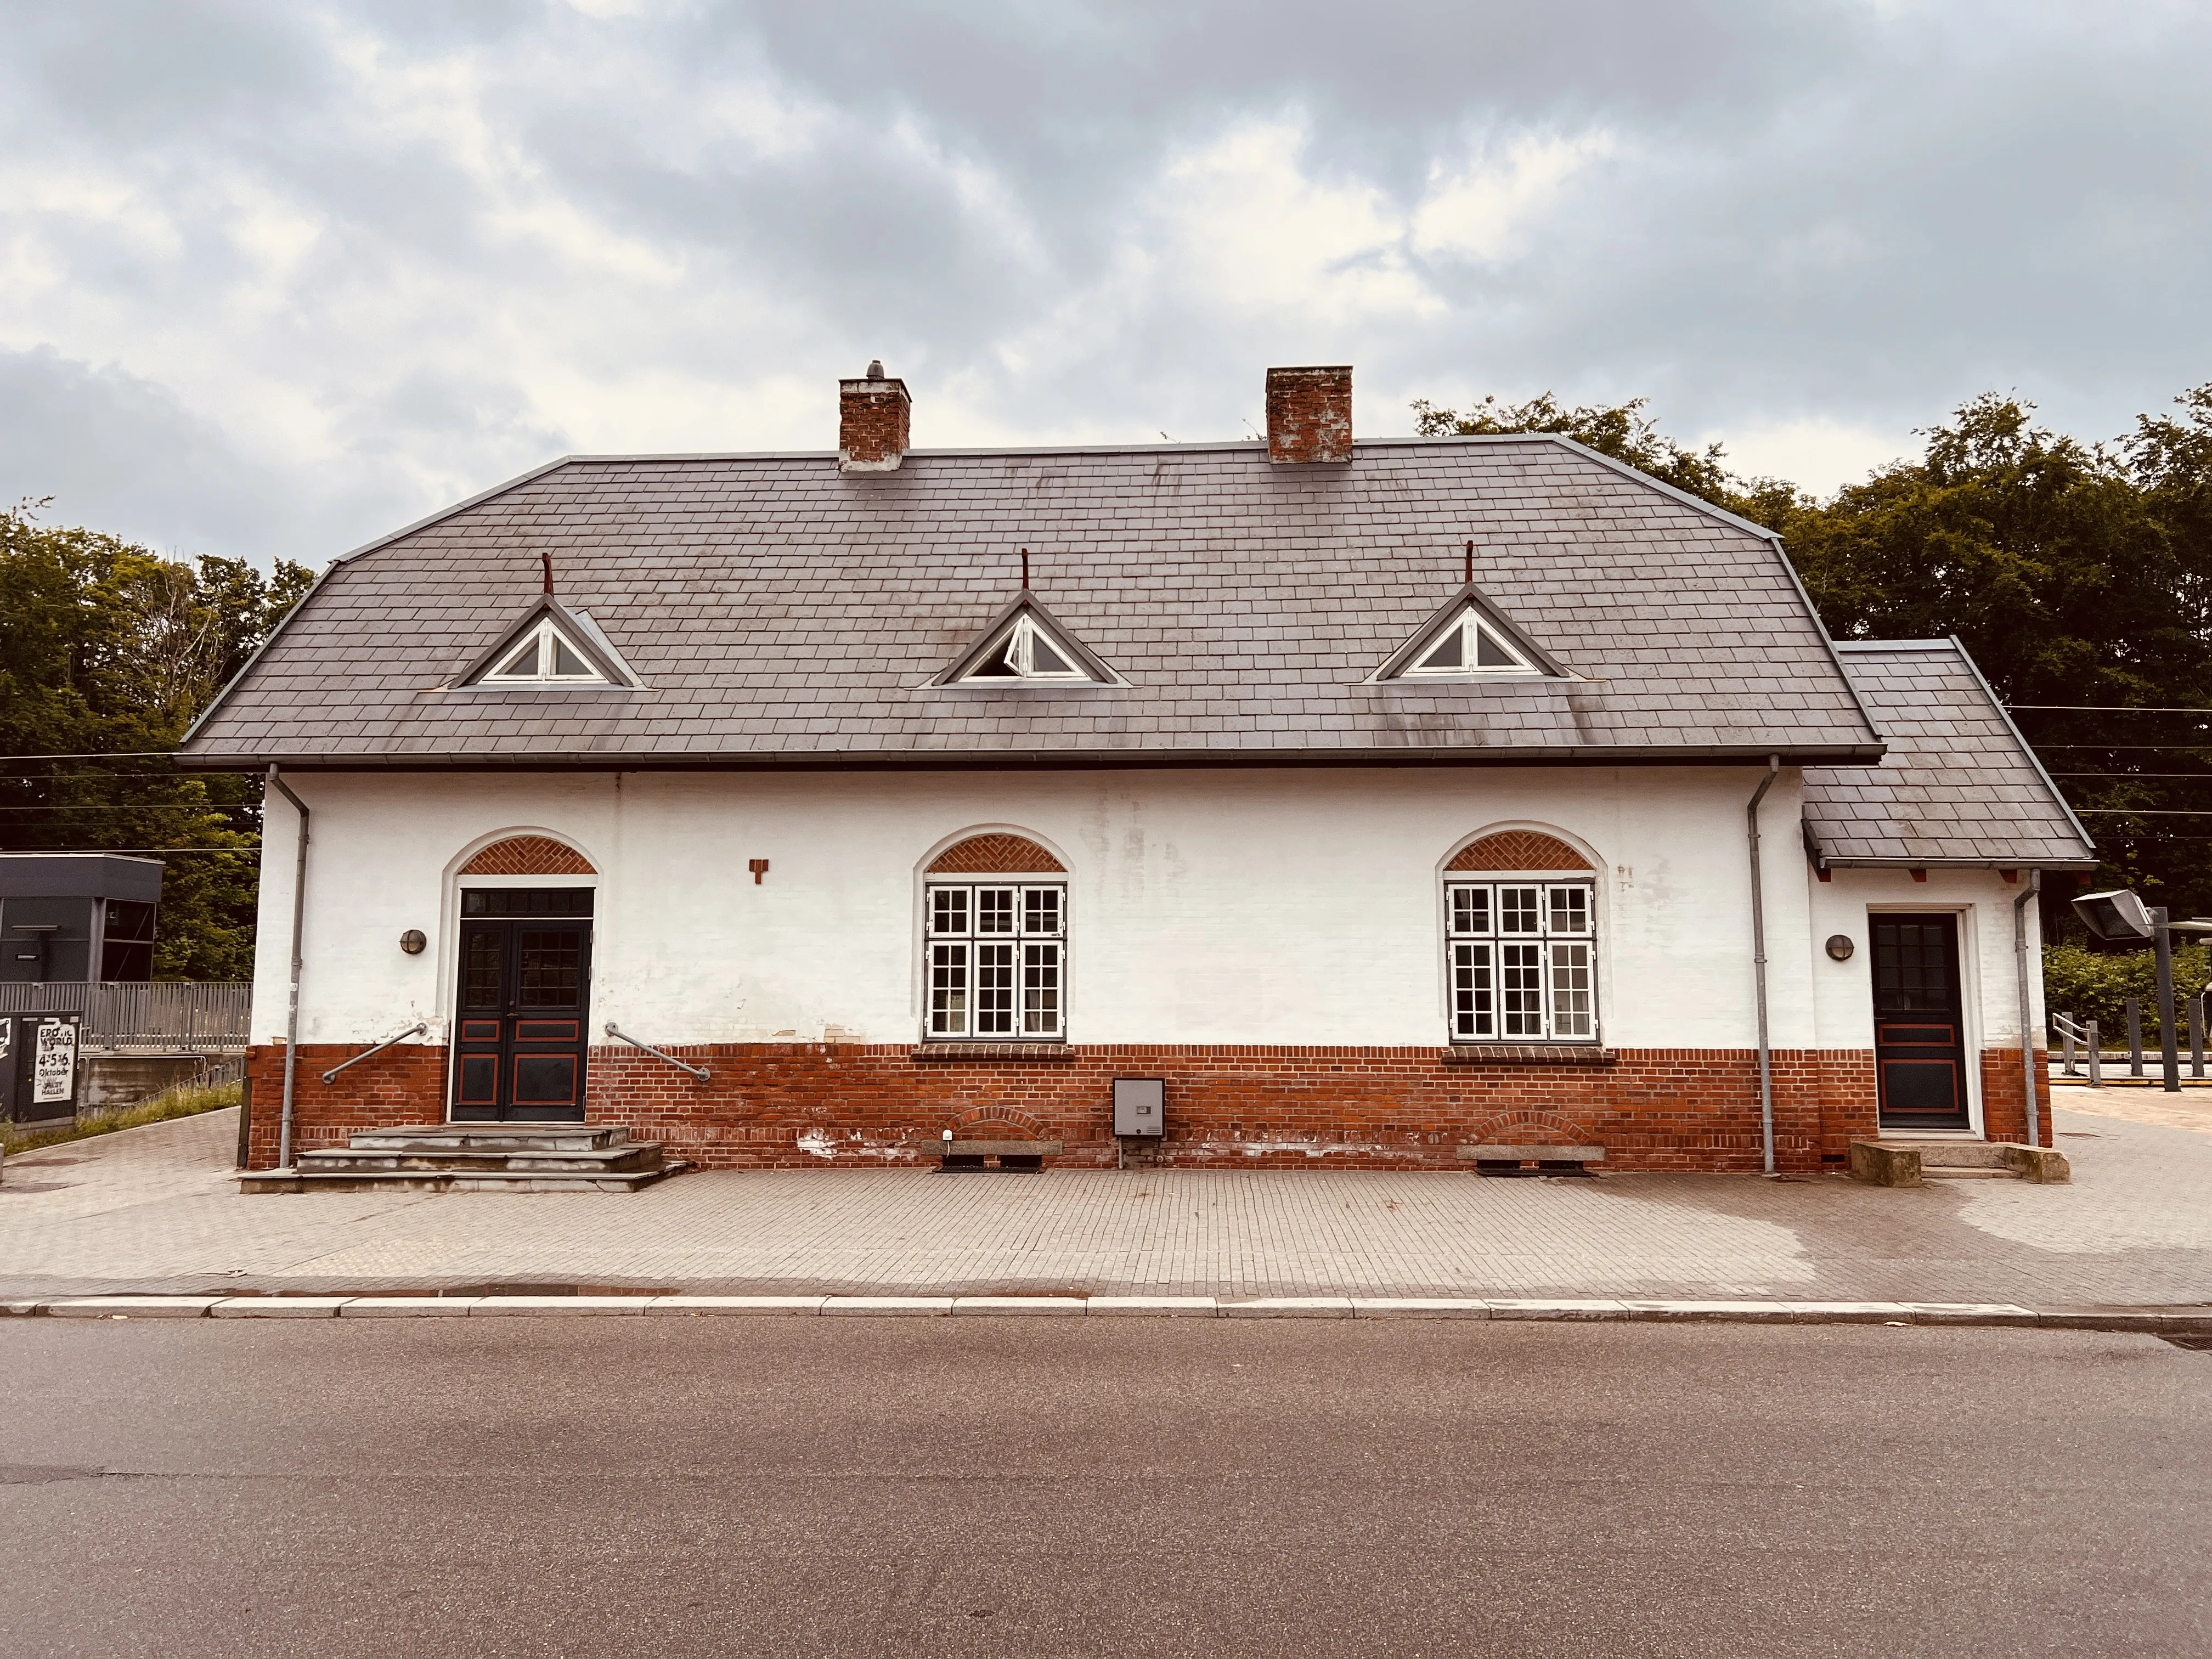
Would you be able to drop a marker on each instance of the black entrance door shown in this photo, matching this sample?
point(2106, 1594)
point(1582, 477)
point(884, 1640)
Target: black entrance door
point(526, 983)
point(1919, 1030)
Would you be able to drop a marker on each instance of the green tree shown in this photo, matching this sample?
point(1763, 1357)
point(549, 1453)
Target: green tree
point(106, 648)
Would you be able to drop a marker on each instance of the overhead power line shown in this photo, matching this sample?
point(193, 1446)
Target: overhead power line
point(2109, 709)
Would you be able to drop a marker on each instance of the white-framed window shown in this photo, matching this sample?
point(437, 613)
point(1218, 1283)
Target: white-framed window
point(1521, 959)
point(994, 961)
point(1469, 645)
point(1027, 651)
point(542, 656)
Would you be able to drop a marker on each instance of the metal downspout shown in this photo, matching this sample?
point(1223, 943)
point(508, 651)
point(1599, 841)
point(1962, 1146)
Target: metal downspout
point(2027, 1030)
point(1759, 964)
point(292, 1013)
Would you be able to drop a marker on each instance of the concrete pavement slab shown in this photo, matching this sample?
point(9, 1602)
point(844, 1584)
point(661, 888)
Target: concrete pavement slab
point(1167, 1307)
point(1733, 1311)
point(132, 1307)
point(1570, 1307)
point(735, 1305)
point(494, 1305)
point(1018, 1304)
point(1289, 1307)
point(927, 1305)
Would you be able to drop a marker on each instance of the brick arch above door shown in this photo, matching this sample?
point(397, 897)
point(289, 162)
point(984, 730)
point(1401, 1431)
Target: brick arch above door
point(528, 855)
point(996, 854)
point(1518, 849)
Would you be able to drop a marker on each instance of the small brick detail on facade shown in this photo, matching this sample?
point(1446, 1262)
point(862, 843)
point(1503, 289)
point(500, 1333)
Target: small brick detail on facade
point(995, 854)
point(528, 855)
point(802, 1105)
point(1517, 850)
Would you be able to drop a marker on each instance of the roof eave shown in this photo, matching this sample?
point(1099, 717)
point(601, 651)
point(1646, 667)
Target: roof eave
point(1027, 759)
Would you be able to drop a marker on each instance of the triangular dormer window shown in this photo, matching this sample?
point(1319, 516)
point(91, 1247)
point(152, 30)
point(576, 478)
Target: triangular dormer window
point(1470, 639)
point(1027, 653)
point(1026, 644)
point(1469, 646)
point(544, 657)
point(550, 646)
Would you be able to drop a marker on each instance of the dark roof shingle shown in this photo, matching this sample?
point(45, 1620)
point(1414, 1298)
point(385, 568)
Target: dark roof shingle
point(781, 613)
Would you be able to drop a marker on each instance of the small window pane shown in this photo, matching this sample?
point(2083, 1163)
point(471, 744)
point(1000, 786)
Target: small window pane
point(948, 990)
point(1450, 651)
point(1488, 654)
point(1041, 910)
point(948, 909)
point(1569, 910)
point(1522, 971)
point(1044, 660)
point(522, 662)
point(1470, 909)
point(1474, 1009)
point(1000, 663)
point(994, 990)
point(994, 909)
point(1570, 990)
point(567, 662)
point(1040, 989)
point(1517, 910)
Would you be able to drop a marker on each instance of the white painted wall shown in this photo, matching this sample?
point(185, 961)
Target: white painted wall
point(1278, 907)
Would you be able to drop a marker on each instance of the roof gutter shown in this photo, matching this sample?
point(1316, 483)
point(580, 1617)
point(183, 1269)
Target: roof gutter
point(940, 760)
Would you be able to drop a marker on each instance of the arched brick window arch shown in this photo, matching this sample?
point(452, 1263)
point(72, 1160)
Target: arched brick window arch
point(528, 855)
point(1520, 940)
point(1518, 849)
point(996, 854)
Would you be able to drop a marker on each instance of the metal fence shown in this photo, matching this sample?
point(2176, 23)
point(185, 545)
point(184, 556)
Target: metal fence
point(203, 1016)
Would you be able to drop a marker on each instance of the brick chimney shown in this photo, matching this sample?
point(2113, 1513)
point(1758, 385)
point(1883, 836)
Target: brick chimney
point(871, 422)
point(1310, 414)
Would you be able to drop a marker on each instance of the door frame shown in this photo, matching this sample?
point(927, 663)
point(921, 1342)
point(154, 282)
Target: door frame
point(1965, 915)
point(449, 956)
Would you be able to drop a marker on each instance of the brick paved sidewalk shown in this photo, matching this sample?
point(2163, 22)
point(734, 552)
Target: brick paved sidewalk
point(157, 1209)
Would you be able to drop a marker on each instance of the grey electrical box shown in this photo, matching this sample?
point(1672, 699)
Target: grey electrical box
point(1140, 1106)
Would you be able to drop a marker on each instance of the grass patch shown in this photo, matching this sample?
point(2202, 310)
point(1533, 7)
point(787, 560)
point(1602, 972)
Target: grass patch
point(184, 1100)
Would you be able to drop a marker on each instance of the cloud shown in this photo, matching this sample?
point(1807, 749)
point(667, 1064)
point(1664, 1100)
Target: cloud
point(350, 260)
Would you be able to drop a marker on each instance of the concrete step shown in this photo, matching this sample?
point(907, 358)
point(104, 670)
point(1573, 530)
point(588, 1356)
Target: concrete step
point(493, 1137)
point(1963, 1172)
point(453, 1180)
point(1957, 1154)
point(616, 1160)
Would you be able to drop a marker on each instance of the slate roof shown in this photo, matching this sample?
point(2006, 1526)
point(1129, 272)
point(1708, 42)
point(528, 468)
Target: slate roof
point(1960, 784)
point(780, 613)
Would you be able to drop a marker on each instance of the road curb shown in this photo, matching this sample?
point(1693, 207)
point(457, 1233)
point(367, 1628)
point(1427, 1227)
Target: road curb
point(2175, 1321)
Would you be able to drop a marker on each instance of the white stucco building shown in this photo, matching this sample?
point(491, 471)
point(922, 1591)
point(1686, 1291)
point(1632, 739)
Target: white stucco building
point(1383, 799)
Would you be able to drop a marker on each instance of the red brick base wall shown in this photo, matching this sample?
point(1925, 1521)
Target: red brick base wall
point(808, 1105)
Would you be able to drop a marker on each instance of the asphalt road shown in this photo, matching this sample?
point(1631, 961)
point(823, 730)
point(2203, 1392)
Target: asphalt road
point(581, 1486)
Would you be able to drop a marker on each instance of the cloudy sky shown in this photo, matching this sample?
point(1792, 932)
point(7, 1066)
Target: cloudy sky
point(275, 277)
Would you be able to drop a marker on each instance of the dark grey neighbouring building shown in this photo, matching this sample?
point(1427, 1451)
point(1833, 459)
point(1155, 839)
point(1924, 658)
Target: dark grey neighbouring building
point(70, 916)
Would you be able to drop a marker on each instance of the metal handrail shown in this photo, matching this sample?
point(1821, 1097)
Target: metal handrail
point(416, 1029)
point(699, 1072)
point(2084, 1032)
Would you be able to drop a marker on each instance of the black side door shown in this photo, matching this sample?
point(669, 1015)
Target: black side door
point(521, 1032)
point(1919, 1025)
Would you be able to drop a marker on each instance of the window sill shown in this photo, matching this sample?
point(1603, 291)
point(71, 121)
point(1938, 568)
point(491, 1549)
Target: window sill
point(1527, 1053)
point(993, 1051)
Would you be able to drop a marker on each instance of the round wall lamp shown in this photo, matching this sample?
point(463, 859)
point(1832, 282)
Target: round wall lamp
point(1840, 947)
point(412, 942)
